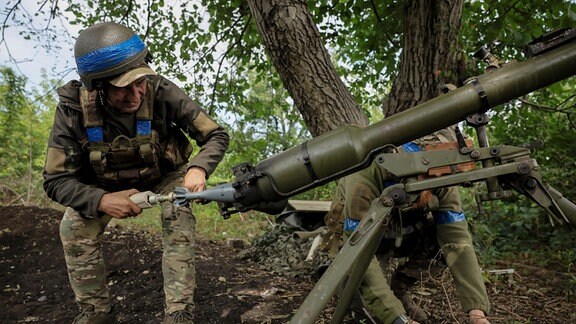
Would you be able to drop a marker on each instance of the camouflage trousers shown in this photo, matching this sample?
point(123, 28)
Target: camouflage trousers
point(458, 251)
point(82, 241)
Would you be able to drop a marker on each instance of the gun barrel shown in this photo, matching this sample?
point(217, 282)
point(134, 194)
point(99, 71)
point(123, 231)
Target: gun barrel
point(349, 148)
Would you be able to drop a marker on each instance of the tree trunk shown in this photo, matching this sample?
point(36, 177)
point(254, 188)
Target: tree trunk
point(429, 53)
point(296, 49)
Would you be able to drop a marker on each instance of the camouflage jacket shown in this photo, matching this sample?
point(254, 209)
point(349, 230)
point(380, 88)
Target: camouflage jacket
point(69, 177)
point(355, 193)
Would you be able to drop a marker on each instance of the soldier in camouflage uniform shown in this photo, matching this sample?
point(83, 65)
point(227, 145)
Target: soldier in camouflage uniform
point(122, 130)
point(352, 201)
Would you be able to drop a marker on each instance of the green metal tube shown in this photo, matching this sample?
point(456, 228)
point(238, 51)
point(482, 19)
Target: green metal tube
point(349, 148)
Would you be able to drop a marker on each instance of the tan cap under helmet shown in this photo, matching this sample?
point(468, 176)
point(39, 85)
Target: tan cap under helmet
point(132, 75)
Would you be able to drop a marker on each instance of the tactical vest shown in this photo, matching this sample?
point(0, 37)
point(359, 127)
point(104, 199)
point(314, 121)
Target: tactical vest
point(125, 161)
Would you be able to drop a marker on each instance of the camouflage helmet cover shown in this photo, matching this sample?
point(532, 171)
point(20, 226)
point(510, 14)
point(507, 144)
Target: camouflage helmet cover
point(105, 50)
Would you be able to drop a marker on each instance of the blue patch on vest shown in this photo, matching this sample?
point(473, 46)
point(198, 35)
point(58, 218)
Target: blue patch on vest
point(95, 134)
point(411, 147)
point(448, 216)
point(350, 224)
point(107, 57)
point(143, 127)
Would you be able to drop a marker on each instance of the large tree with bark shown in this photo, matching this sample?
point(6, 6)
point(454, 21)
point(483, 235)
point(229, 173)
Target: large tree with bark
point(295, 46)
point(298, 53)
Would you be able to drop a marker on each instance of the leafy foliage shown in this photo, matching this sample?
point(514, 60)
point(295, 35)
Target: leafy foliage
point(24, 128)
point(13, 127)
point(505, 27)
point(544, 116)
point(517, 231)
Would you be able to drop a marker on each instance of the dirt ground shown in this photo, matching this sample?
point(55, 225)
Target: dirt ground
point(230, 290)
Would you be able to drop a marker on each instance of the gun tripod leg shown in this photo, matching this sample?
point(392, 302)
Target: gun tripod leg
point(349, 266)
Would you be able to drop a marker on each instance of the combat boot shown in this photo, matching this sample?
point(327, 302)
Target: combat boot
point(89, 316)
point(401, 284)
point(414, 311)
point(179, 317)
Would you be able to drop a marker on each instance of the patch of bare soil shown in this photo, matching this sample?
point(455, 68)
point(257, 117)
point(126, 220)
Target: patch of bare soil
point(34, 284)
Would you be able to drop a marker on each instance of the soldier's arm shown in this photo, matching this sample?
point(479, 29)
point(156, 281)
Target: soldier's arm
point(456, 244)
point(212, 138)
point(66, 174)
point(360, 189)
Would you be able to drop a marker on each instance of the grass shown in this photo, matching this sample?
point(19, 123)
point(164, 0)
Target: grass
point(209, 223)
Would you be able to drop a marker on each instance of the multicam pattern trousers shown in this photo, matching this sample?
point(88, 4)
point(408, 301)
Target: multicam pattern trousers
point(82, 241)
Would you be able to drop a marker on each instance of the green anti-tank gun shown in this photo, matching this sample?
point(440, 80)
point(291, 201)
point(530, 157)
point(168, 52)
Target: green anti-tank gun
point(267, 185)
point(345, 150)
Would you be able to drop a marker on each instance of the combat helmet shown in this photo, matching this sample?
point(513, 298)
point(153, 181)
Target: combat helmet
point(107, 49)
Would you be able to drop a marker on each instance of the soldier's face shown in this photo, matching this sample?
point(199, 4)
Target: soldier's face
point(127, 99)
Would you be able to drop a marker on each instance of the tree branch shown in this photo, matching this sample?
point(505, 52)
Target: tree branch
point(553, 109)
point(221, 62)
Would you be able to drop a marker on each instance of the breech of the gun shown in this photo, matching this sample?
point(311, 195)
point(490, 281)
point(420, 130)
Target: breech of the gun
point(349, 149)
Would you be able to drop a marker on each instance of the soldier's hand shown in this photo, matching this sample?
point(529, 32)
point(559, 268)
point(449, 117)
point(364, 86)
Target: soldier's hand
point(119, 205)
point(477, 316)
point(195, 179)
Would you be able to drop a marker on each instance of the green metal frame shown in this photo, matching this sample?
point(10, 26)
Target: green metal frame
point(510, 165)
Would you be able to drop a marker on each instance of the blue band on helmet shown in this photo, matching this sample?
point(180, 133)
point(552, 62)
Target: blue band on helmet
point(143, 127)
point(95, 134)
point(448, 216)
point(107, 57)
